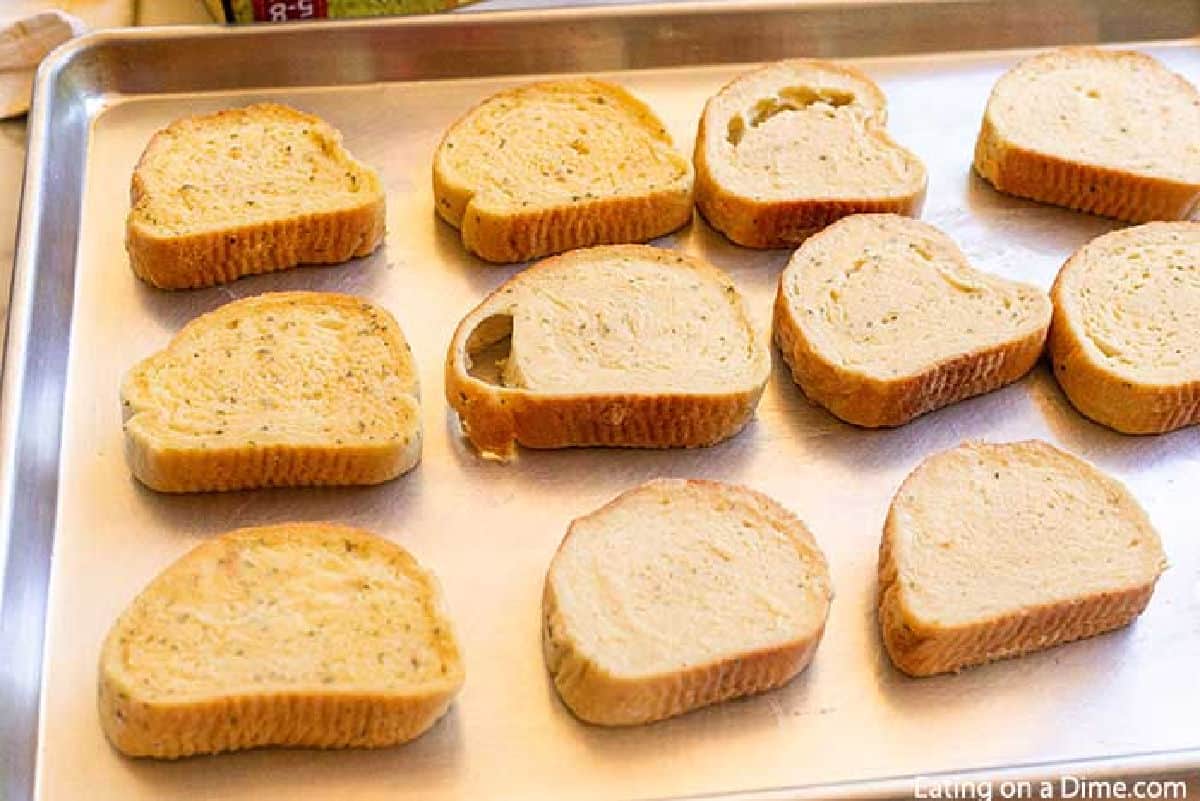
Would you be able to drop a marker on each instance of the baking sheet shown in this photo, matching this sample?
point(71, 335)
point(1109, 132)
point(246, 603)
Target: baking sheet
point(488, 530)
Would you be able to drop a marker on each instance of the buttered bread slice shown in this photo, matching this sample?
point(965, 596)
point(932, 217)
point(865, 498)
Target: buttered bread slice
point(787, 149)
point(882, 319)
point(996, 550)
point(248, 190)
point(624, 345)
point(552, 166)
point(679, 594)
point(301, 634)
point(1112, 132)
point(1126, 317)
point(283, 389)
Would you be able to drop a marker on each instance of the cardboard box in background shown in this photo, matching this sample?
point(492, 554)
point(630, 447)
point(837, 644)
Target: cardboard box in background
point(288, 10)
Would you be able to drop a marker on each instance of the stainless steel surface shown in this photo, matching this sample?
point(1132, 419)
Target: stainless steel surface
point(80, 320)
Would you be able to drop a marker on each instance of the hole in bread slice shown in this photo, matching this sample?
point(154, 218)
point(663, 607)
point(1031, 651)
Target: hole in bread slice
point(621, 345)
point(789, 98)
point(789, 148)
point(489, 347)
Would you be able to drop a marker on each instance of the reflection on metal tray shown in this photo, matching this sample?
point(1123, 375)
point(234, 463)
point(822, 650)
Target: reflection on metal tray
point(79, 319)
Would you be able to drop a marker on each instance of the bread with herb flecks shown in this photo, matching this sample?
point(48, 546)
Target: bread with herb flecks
point(882, 319)
point(310, 635)
point(791, 147)
point(248, 190)
point(1111, 132)
point(556, 165)
point(678, 594)
point(996, 550)
point(282, 389)
point(619, 345)
point(1123, 340)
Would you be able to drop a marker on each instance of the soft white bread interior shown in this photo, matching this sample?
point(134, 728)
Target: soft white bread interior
point(882, 318)
point(617, 345)
point(1112, 132)
point(1126, 317)
point(995, 550)
point(282, 389)
point(790, 147)
point(557, 165)
point(248, 190)
point(679, 594)
point(300, 634)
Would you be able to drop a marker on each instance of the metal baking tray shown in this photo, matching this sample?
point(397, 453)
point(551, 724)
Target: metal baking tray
point(81, 537)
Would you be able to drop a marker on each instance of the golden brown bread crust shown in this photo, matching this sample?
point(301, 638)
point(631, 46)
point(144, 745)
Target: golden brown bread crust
point(167, 469)
point(1097, 190)
point(876, 403)
point(1105, 191)
point(220, 468)
point(496, 418)
point(920, 650)
point(764, 224)
point(299, 720)
point(1103, 396)
point(597, 696)
point(317, 718)
point(204, 259)
point(200, 260)
point(504, 238)
point(1123, 406)
point(783, 224)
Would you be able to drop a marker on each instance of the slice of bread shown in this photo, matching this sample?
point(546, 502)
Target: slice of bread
point(553, 166)
point(996, 550)
point(1126, 317)
point(300, 634)
point(788, 148)
point(679, 594)
point(882, 319)
point(624, 345)
point(1111, 132)
point(281, 390)
point(248, 190)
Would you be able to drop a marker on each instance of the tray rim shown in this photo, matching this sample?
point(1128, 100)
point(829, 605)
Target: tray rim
point(25, 561)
